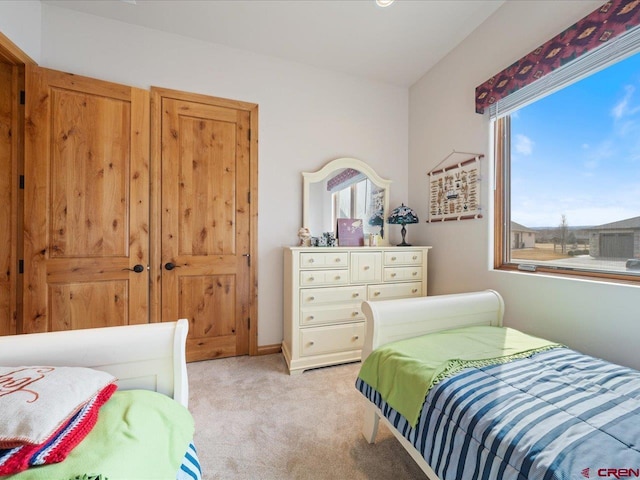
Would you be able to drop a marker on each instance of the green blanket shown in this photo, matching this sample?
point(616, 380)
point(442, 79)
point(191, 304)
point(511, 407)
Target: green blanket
point(139, 435)
point(403, 372)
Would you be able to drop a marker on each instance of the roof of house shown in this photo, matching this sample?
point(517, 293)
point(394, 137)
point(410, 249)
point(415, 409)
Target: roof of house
point(516, 227)
point(629, 223)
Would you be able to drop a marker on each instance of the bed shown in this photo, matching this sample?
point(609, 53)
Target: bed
point(142, 427)
point(534, 410)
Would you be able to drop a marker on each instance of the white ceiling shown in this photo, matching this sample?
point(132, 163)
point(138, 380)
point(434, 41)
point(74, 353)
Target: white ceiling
point(397, 44)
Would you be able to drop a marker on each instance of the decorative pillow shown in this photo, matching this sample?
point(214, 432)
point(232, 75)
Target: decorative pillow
point(35, 402)
point(56, 448)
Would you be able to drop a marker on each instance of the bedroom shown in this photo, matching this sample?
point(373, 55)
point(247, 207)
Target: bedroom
point(401, 132)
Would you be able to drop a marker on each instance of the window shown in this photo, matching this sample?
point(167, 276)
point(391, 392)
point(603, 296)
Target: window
point(568, 175)
point(352, 201)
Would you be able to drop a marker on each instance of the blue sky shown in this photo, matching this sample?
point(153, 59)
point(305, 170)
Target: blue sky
point(577, 152)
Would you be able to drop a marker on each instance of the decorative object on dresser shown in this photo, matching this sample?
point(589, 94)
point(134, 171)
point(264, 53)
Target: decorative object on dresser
point(305, 237)
point(323, 292)
point(350, 233)
point(345, 188)
point(403, 215)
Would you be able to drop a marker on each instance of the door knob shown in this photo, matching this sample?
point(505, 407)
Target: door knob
point(170, 266)
point(137, 268)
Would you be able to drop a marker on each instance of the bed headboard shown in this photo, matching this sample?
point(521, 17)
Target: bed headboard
point(392, 320)
point(150, 356)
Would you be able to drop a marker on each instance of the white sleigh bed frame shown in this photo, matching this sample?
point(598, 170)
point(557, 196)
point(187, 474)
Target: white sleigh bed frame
point(393, 320)
point(149, 356)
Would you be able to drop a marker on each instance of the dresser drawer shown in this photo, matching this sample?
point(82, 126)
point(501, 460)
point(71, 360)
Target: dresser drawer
point(322, 296)
point(331, 314)
point(333, 339)
point(366, 267)
point(409, 257)
point(398, 274)
point(323, 277)
point(324, 259)
point(397, 290)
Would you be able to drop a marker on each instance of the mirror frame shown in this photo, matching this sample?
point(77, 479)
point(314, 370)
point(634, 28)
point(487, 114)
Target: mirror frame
point(339, 164)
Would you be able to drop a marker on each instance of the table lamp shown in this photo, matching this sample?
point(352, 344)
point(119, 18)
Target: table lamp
point(403, 215)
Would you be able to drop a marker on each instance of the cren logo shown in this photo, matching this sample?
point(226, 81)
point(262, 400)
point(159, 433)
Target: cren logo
point(619, 472)
point(585, 473)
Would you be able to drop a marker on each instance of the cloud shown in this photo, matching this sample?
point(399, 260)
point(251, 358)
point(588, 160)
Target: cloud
point(619, 108)
point(523, 144)
point(581, 208)
point(624, 108)
point(594, 155)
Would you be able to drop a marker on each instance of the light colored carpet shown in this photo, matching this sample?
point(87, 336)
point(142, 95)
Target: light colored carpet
point(255, 421)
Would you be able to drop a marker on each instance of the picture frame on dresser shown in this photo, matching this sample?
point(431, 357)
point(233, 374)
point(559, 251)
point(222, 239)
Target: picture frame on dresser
point(350, 232)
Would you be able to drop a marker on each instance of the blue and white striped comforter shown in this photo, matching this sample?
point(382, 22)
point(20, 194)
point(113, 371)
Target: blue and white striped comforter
point(556, 415)
point(190, 466)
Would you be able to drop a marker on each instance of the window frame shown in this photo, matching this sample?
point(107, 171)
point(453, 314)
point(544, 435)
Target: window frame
point(501, 129)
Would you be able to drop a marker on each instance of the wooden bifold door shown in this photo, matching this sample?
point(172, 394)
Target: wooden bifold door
point(114, 235)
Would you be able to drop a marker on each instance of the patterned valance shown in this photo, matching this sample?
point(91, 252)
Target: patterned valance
point(347, 175)
point(607, 22)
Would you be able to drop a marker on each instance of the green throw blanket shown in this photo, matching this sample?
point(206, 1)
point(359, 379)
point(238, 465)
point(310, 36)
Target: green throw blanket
point(139, 435)
point(403, 372)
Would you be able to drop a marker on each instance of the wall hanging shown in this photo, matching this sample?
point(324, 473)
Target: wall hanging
point(454, 191)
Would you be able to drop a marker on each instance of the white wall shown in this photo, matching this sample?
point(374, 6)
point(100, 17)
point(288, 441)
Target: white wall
point(599, 318)
point(307, 117)
point(20, 22)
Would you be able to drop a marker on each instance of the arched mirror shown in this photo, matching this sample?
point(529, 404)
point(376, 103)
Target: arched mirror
point(345, 188)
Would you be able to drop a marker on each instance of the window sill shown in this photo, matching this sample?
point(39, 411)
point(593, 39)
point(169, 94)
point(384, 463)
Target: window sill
point(572, 274)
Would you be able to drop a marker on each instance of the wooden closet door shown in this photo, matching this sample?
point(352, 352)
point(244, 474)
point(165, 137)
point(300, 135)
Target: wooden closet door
point(205, 228)
point(9, 144)
point(86, 203)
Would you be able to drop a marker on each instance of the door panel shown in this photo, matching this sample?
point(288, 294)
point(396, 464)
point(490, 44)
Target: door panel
point(86, 203)
point(206, 224)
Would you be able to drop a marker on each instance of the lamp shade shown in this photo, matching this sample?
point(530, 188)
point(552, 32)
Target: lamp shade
point(403, 215)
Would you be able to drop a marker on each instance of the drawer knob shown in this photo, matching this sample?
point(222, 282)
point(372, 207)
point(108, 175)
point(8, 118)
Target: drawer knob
point(311, 279)
point(367, 267)
point(356, 294)
point(393, 259)
point(376, 293)
point(311, 260)
point(355, 314)
point(415, 257)
point(338, 259)
point(414, 273)
point(338, 277)
point(311, 299)
point(311, 317)
point(356, 337)
point(415, 290)
point(310, 343)
point(393, 274)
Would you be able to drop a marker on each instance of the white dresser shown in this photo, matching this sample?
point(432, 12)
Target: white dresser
point(324, 288)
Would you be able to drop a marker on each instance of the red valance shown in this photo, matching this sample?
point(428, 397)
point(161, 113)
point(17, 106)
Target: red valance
point(610, 20)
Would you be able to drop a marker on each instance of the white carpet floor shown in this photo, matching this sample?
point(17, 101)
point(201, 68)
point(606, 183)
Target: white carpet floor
point(255, 421)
